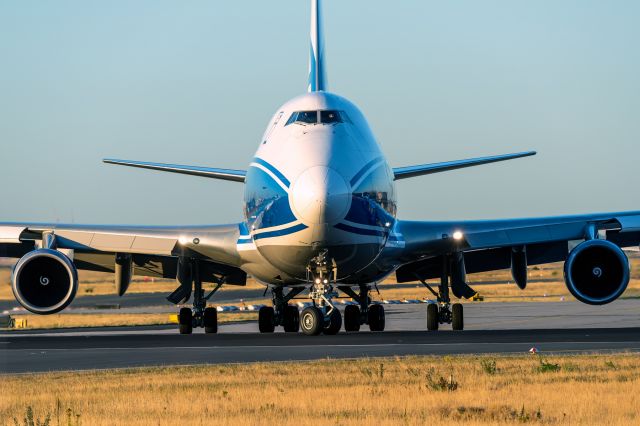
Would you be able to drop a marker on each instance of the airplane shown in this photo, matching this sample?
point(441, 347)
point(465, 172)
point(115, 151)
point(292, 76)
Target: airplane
point(320, 216)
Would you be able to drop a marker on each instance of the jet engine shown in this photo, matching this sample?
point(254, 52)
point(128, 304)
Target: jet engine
point(44, 281)
point(596, 272)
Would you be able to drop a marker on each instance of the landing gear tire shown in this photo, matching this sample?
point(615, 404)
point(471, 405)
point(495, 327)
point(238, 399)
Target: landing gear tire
point(335, 323)
point(352, 318)
point(266, 319)
point(291, 319)
point(457, 316)
point(432, 317)
point(376, 318)
point(311, 321)
point(210, 320)
point(185, 321)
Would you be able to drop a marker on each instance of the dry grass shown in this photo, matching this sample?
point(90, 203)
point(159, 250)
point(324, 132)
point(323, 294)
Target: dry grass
point(112, 320)
point(581, 390)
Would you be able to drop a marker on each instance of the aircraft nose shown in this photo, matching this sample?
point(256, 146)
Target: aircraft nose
point(320, 195)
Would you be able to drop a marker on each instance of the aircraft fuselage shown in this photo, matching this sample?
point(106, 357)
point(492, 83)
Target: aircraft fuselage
point(318, 181)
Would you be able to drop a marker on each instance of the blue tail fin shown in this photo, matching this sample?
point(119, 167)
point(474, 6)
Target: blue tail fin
point(317, 76)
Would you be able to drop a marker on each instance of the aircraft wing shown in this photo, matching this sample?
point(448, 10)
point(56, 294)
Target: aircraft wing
point(154, 250)
point(488, 244)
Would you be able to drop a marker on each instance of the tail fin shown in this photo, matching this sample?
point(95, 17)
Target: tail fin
point(317, 76)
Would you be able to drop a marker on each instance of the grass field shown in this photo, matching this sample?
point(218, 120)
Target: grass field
point(469, 390)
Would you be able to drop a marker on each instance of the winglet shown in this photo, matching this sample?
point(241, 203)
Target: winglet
point(317, 76)
point(427, 169)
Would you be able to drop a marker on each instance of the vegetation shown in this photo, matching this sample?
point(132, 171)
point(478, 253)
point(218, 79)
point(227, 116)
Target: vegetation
point(582, 390)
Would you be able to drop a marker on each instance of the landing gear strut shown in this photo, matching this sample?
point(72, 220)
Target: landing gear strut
point(323, 316)
point(443, 312)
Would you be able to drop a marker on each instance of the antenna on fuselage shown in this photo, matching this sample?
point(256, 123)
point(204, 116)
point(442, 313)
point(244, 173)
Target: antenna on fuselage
point(317, 76)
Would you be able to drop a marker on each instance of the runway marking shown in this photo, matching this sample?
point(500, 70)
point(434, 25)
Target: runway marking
point(326, 346)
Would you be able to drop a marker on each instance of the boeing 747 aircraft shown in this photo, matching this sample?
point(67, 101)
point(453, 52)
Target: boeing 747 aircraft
point(319, 216)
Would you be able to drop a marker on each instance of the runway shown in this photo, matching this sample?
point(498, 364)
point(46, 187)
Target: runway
point(491, 328)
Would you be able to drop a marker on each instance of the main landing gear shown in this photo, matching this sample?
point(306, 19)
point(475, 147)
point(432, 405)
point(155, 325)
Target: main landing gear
point(443, 312)
point(200, 315)
point(281, 314)
point(364, 312)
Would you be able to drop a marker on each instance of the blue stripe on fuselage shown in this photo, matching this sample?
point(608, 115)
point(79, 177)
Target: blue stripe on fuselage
point(273, 170)
point(362, 231)
point(280, 232)
point(364, 170)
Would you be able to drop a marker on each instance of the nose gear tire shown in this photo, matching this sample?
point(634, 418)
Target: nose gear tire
point(335, 323)
point(311, 321)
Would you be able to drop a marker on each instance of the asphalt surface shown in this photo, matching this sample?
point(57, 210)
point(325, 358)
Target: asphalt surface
point(491, 328)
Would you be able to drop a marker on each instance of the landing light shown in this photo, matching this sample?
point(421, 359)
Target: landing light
point(326, 281)
point(317, 280)
point(183, 240)
point(458, 235)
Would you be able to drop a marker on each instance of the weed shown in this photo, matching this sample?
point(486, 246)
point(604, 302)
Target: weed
point(611, 365)
point(548, 367)
point(440, 384)
point(489, 366)
point(28, 419)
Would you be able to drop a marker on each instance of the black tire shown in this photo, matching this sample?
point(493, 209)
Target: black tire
point(457, 317)
point(352, 318)
point(210, 320)
point(335, 323)
point(291, 319)
point(266, 319)
point(185, 321)
point(311, 321)
point(376, 318)
point(432, 317)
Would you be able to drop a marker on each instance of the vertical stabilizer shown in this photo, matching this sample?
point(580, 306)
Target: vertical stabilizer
point(317, 76)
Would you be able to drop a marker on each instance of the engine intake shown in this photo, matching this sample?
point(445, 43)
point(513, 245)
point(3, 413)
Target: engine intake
point(596, 272)
point(44, 281)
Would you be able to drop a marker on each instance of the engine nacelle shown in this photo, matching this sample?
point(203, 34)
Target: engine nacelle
point(596, 272)
point(44, 281)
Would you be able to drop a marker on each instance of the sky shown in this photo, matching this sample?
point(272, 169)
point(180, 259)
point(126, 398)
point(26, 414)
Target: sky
point(196, 83)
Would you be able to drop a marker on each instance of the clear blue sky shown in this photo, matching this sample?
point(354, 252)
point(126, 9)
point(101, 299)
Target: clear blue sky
point(196, 82)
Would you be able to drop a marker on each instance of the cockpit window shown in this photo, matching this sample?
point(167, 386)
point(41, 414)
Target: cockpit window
point(305, 117)
point(311, 117)
point(328, 117)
